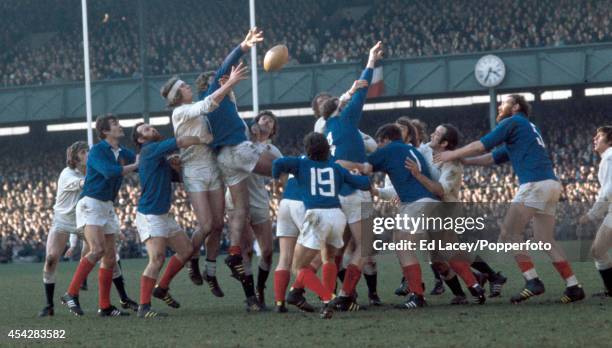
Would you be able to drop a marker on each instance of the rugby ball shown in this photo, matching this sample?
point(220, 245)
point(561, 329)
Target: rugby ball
point(276, 58)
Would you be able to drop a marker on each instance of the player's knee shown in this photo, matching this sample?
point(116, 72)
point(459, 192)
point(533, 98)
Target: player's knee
point(97, 252)
point(157, 259)
point(598, 253)
point(51, 260)
point(216, 228)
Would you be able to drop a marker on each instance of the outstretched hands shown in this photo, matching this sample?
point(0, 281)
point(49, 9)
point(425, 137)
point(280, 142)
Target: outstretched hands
point(254, 36)
point(376, 52)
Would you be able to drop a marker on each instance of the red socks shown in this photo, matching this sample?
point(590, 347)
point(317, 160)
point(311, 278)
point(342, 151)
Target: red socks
point(234, 250)
point(329, 273)
point(524, 262)
point(351, 278)
point(281, 281)
point(105, 280)
point(462, 268)
point(413, 275)
point(80, 275)
point(307, 277)
point(146, 289)
point(174, 266)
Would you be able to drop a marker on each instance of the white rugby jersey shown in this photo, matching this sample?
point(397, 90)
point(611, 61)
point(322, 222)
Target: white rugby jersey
point(69, 186)
point(191, 120)
point(604, 197)
point(451, 178)
point(427, 152)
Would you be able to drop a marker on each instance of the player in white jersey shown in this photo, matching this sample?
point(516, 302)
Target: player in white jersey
point(602, 209)
point(201, 175)
point(63, 228)
point(447, 187)
point(263, 128)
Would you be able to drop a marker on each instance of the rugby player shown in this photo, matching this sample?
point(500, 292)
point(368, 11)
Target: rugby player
point(263, 128)
point(346, 143)
point(538, 194)
point(319, 181)
point(602, 209)
point(156, 227)
point(107, 163)
point(201, 175)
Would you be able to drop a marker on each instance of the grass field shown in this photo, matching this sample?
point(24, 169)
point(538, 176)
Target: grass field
point(204, 320)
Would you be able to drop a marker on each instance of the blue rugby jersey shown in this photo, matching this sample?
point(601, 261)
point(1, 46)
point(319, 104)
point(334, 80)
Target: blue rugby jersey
point(342, 131)
point(225, 123)
point(292, 190)
point(390, 159)
point(104, 171)
point(523, 147)
point(318, 181)
point(155, 177)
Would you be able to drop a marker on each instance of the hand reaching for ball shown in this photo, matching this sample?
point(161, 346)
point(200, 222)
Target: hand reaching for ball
point(254, 36)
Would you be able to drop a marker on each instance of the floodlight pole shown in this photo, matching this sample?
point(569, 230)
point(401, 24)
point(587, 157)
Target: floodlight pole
point(254, 84)
point(492, 107)
point(87, 79)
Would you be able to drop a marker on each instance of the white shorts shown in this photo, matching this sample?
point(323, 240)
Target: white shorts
point(289, 218)
point(322, 226)
point(541, 195)
point(238, 161)
point(90, 211)
point(421, 207)
point(200, 178)
point(163, 226)
point(353, 208)
point(63, 225)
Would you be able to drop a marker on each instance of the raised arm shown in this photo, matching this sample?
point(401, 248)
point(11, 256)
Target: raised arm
point(285, 165)
point(431, 185)
point(352, 112)
point(253, 37)
point(106, 168)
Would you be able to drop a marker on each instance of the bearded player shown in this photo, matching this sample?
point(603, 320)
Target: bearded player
point(538, 194)
point(156, 227)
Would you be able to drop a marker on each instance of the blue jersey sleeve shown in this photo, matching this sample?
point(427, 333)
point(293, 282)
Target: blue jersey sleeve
point(353, 110)
point(163, 148)
point(498, 135)
point(377, 159)
point(360, 182)
point(98, 162)
point(285, 165)
point(500, 155)
point(231, 60)
point(128, 155)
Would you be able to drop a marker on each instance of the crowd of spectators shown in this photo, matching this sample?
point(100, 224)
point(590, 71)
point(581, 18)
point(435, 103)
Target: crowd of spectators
point(29, 170)
point(45, 44)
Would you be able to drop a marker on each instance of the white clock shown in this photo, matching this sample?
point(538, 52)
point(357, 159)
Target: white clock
point(490, 71)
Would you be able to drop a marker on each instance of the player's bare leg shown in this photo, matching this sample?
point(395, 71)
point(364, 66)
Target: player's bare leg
point(156, 250)
point(599, 250)
point(544, 230)
point(181, 245)
point(237, 225)
point(307, 278)
point(263, 234)
point(94, 235)
point(56, 242)
point(212, 242)
point(203, 203)
point(282, 273)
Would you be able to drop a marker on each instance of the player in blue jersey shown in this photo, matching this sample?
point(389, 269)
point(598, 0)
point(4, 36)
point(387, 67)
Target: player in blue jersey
point(156, 226)
point(200, 172)
point(521, 143)
point(237, 156)
point(107, 163)
point(346, 142)
point(319, 181)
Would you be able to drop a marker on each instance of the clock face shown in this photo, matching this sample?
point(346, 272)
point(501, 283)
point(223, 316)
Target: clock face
point(490, 71)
